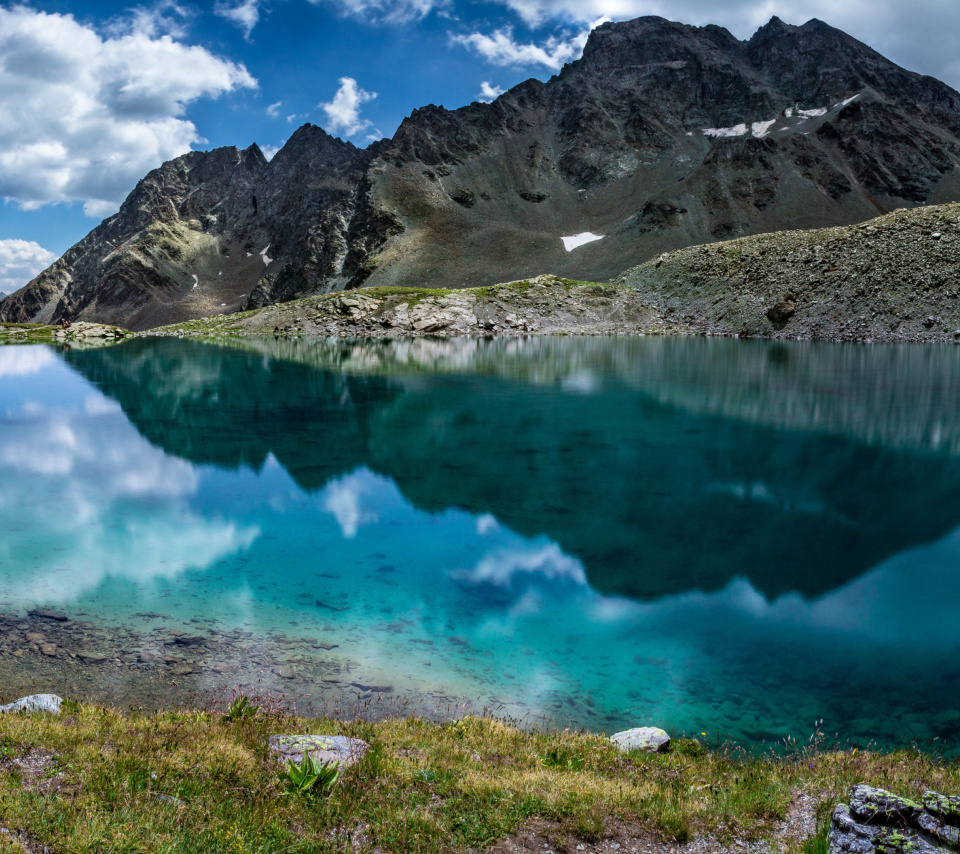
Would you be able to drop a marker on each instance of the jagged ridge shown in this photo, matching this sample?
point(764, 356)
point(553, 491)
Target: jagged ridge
point(662, 136)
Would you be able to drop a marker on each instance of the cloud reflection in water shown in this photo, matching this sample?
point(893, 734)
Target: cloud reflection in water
point(84, 498)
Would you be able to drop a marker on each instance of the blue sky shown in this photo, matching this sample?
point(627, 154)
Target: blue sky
point(94, 94)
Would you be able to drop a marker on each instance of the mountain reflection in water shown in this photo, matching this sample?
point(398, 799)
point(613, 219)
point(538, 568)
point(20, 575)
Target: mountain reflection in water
point(711, 535)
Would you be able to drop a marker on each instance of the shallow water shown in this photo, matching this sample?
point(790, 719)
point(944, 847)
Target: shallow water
point(721, 537)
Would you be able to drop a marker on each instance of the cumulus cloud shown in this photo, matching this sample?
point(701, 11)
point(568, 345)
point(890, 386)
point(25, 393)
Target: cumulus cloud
point(165, 18)
point(489, 92)
point(274, 109)
point(343, 112)
point(86, 116)
point(500, 48)
point(923, 36)
point(20, 261)
point(270, 151)
point(386, 11)
point(245, 14)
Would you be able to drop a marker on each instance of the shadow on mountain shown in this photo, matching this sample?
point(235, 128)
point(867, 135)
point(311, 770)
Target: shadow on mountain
point(664, 469)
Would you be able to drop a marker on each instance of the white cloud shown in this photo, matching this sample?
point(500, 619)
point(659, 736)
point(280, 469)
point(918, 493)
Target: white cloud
point(20, 261)
point(274, 109)
point(343, 112)
point(84, 117)
point(165, 18)
point(245, 15)
point(386, 11)
point(501, 48)
point(270, 151)
point(489, 92)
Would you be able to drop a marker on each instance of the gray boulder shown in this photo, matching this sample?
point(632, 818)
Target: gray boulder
point(35, 703)
point(323, 748)
point(880, 822)
point(649, 739)
point(875, 806)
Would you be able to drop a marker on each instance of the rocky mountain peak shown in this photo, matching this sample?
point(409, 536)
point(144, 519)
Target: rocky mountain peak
point(663, 135)
point(648, 40)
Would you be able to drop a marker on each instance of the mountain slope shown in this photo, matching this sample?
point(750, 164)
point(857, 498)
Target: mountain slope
point(662, 136)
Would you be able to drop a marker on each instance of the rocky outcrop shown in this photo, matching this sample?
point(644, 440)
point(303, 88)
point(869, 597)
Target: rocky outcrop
point(889, 279)
point(880, 822)
point(544, 305)
point(662, 136)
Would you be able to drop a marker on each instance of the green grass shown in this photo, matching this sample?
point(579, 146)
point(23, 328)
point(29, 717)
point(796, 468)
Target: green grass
point(25, 333)
point(195, 782)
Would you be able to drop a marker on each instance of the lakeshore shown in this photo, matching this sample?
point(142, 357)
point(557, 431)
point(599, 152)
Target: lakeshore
point(191, 780)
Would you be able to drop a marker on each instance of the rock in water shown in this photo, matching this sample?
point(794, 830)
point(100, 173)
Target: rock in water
point(649, 739)
point(35, 703)
point(323, 748)
point(48, 614)
point(880, 822)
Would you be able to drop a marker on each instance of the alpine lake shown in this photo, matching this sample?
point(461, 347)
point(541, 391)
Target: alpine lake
point(730, 539)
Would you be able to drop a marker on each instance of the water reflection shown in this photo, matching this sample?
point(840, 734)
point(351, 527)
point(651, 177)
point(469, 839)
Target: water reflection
point(654, 493)
point(708, 535)
point(84, 498)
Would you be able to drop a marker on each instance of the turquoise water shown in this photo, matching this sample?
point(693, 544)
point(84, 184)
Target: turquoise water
point(722, 537)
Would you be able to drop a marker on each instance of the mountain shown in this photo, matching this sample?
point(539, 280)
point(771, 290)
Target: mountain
point(661, 136)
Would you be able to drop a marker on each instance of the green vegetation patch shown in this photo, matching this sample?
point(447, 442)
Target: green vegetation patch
point(96, 779)
point(26, 333)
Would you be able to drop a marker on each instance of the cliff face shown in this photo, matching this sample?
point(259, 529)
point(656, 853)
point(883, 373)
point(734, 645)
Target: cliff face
point(662, 136)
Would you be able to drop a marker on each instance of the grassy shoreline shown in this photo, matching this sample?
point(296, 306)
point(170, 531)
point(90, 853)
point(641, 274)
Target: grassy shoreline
point(97, 779)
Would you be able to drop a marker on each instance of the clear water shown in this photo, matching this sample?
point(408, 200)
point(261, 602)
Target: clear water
point(721, 537)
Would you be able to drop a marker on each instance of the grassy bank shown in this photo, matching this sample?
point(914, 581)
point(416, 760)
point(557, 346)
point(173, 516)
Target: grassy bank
point(96, 779)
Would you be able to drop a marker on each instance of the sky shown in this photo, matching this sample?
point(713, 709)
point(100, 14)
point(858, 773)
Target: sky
point(95, 94)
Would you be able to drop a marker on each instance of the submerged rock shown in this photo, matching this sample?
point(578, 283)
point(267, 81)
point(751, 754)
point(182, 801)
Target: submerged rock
point(881, 822)
point(323, 748)
point(48, 614)
point(650, 739)
point(35, 703)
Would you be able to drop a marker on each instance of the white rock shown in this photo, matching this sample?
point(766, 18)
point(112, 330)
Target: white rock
point(650, 739)
point(35, 703)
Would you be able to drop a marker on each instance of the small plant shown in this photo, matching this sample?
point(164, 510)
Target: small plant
point(373, 761)
point(240, 709)
point(561, 757)
point(310, 778)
